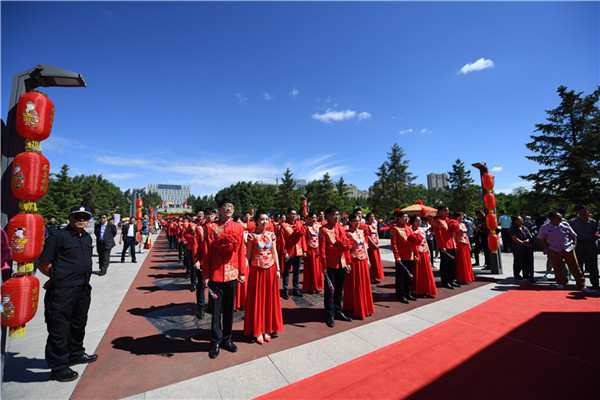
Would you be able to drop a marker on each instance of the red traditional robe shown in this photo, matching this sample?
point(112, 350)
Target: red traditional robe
point(263, 308)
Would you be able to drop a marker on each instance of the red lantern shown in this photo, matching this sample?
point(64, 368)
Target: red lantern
point(139, 225)
point(138, 214)
point(20, 295)
point(30, 176)
point(304, 206)
point(139, 203)
point(491, 221)
point(26, 237)
point(138, 237)
point(151, 210)
point(493, 242)
point(487, 181)
point(35, 115)
point(490, 201)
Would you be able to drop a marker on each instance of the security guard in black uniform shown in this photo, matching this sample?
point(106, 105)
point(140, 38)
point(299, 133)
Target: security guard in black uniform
point(67, 260)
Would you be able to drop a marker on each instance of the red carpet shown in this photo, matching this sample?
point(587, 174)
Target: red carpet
point(530, 343)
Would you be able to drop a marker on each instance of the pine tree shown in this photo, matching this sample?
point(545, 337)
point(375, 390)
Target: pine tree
point(287, 195)
point(568, 149)
point(464, 193)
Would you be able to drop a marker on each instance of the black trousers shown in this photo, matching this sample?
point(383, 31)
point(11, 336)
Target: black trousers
point(448, 266)
point(197, 281)
point(223, 304)
point(587, 256)
point(188, 261)
point(333, 301)
point(481, 244)
point(66, 313)
point(293, 263)
point(103, 255)
point(506, 240)
point(181, 249)
point(403, 280)
point(129, 243)
point(522, 262)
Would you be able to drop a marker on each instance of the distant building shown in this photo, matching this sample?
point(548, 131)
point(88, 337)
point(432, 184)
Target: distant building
point(437, 181)
point(354, 193)
point(174, 194)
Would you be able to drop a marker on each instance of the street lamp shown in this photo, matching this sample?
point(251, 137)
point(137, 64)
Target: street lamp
point(495, 260)
point(12, 143)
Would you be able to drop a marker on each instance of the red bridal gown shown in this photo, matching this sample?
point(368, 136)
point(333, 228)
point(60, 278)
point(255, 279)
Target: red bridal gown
point(423, 282)
point(358, 297)
point(464, 267)
point(376, 270)
point(313, 274)
point(263, 308)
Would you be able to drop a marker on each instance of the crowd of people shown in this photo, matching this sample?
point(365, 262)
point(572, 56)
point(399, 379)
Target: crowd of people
point(236, 264)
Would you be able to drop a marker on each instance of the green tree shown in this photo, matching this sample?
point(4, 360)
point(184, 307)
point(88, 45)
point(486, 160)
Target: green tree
point(465, 196)
point(344, 202)
point(63, 193)
point(568, 149)
point(287, 195)
point(393, 187)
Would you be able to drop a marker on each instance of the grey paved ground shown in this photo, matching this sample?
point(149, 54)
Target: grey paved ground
point(26, 375)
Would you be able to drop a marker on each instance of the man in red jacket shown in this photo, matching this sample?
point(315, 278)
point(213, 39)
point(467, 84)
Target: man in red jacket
point(224, 265)
point(444, 229)
point(333, 249)
point(293, 230)
point(403, 241)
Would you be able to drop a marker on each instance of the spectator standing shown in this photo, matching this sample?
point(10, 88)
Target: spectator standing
point(560, 241)
point(521, 249)
point(587, 248)
point(67, 260)
point(144, 232)
point(52, 226)
point(505, 222)
point(105, 240)
point(128, 235)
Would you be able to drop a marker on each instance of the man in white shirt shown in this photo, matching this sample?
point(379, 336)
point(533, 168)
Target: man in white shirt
point(560, 240)
point(128, 235)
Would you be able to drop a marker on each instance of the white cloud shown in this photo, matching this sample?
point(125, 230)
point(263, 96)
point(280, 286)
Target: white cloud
point(334, 115)
point(331, 115)
point(426, 131)
point(242, 99)
point(478, 65)
point(515, 185)
point(268, 96)
point(405, 131)
point(496, 169)
point(120, 176)
point(294, 93)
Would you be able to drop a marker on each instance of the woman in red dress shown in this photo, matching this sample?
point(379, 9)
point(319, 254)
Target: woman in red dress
point(313, 273)
point(358, 297)
point(423, 283)
point(263, 308)
point(464, 267)
point(372, 234)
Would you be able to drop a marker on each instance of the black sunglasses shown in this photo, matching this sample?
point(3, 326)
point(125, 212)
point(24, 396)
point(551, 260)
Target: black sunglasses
point(81, 216)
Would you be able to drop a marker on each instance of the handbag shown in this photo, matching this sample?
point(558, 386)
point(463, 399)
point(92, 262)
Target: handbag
point(148, 244)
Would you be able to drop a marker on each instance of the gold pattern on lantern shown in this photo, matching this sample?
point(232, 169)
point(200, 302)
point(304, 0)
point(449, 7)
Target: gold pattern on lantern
point(33, 145)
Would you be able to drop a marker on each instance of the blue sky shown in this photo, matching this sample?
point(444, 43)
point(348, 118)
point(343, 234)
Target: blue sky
point(208, 94)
